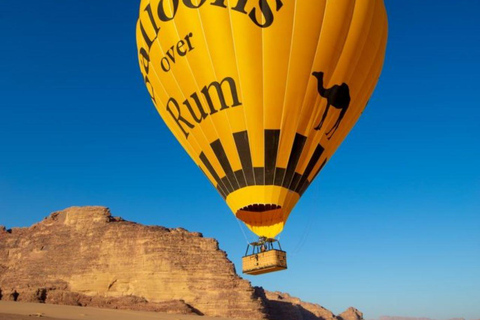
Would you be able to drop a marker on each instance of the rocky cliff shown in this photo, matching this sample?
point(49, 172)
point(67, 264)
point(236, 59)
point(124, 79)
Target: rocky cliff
point(280, 305)
point(85, 256)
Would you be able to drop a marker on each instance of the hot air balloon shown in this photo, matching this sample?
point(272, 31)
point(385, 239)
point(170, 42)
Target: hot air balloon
point(260, 93)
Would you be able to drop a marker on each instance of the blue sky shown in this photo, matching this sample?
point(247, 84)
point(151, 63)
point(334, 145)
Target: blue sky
point(391, 226)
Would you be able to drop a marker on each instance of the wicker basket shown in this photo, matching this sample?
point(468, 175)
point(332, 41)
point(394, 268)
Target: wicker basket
point(265, 262)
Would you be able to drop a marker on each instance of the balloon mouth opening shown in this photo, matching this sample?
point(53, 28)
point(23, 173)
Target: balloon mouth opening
point(260, 207)
point(261, 215)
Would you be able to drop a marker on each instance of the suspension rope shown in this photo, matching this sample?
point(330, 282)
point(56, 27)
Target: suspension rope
point(303, 239)
point(243, 231)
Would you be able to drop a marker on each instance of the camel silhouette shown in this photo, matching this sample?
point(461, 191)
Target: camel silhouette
point(337, 96)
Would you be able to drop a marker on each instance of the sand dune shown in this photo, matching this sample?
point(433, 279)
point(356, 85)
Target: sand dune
point(23, 311)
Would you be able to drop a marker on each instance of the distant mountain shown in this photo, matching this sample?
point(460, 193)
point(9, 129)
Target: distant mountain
point(84, 256)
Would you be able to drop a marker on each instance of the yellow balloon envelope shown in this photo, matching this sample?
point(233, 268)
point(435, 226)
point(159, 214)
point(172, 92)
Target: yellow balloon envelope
point(260, 93)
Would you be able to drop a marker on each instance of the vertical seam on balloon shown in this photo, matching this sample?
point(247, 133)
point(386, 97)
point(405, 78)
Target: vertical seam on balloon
point(288, 200)
point(239, 80)
point(263, 108)
point(306, 88)
point(316, 49)
point(311, 69)
point(216, 78)
point(286, 87)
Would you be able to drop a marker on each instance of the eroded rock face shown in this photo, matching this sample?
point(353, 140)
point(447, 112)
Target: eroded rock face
point(87, 252)
point(282, 306)
point(351, 314)
point(86, 257)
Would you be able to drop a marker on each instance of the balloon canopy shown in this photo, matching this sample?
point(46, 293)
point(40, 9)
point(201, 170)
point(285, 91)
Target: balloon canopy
point(260, 93)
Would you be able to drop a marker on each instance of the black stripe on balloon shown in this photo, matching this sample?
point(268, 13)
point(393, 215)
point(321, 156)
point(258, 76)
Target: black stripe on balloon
point(243, 148)
point(241, 178)
point(219, 189)
point(220, 186)
point(271, 148)
point(279, 174)
point(259, 176)
point(319, 169)
point(305, 186)
point(227, 184)
point(269, 174)
point(295, 181)
point(223, 159)
point(311, 164)
point(297, 149)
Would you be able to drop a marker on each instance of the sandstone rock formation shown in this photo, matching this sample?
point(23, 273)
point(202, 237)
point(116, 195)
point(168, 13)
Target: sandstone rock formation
point(84, 256)
point(283, 306)
point(350, 314)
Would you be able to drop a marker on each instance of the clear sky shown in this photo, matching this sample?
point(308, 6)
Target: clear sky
point(391, 226)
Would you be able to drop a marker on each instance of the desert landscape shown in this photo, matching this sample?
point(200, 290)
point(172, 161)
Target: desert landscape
point(241, 159)
point(84, 263)
point(85, 257)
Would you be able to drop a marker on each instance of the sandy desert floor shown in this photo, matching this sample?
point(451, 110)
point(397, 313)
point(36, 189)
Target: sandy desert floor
point(30, 311)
